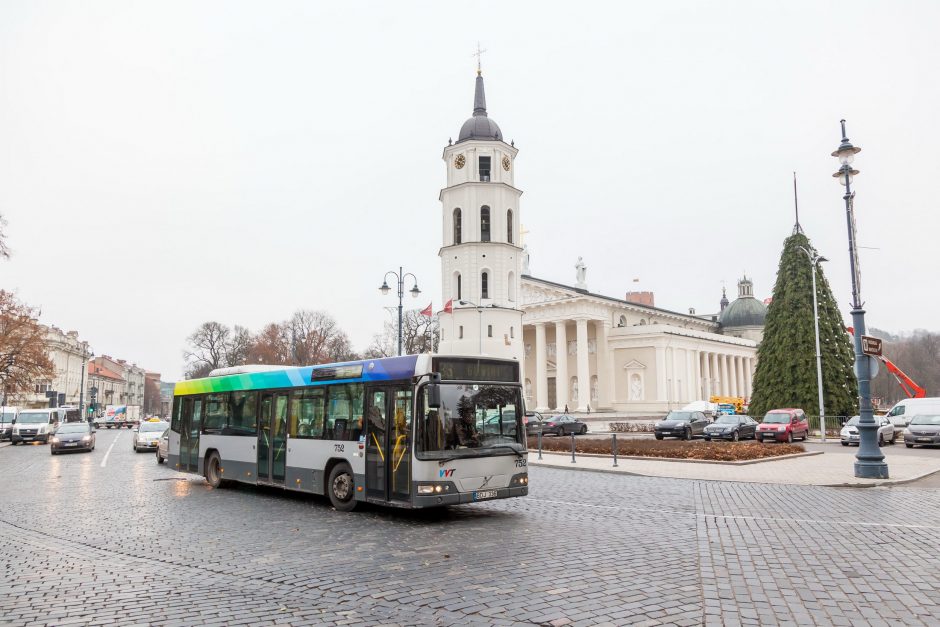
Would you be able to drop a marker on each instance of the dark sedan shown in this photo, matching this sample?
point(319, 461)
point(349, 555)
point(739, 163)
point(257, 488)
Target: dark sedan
point(557, 425)
point(732, 427)
point(73, 436)
point(681, 424)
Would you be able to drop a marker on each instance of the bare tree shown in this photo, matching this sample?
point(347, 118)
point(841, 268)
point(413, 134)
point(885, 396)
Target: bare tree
point(4, 248)
point(208, 348)
point(24, 360)
point(238, 348)
point(419, 335)
point(270, 346)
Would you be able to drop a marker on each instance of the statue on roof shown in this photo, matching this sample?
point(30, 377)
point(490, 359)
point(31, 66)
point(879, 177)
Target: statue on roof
point(581, 274)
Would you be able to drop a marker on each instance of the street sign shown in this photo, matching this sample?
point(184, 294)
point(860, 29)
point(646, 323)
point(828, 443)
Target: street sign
point(874, 366)
point(871, 345)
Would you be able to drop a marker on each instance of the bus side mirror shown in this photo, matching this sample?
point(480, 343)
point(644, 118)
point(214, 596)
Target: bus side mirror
point(434, 391)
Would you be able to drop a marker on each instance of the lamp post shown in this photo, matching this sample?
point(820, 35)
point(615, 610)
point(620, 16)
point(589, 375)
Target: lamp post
point(814, 261)
point(81, 386)
point(400, 278)
point(11, 361)
point(869, 461)
point(480, 323)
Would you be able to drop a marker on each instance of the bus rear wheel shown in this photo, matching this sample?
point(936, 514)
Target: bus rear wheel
point(341, 488)
point(214, 471)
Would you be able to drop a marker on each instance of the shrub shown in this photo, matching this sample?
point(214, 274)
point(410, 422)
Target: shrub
point(631, 427)
point(714, 451)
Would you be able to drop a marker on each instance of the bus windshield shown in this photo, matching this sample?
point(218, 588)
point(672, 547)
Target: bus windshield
point(473, 420)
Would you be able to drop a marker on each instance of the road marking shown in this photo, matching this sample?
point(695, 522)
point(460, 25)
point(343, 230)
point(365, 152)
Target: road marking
point(105, 460)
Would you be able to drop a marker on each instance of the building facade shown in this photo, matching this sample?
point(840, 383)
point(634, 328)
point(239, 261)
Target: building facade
point(68, 354)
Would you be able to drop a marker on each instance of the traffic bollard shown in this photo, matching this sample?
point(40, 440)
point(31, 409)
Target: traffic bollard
point(572, 449)
point(540, 444)
point(613, 446)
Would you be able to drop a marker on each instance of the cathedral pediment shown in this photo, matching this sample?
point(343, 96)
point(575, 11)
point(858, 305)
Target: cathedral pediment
point(634, 365)
point(538, 294)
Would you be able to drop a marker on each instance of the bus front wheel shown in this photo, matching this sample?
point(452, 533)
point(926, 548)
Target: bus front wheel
point(341, 488)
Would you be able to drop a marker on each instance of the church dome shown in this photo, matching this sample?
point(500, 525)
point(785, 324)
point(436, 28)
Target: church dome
point(479, 126)
point(745, 311)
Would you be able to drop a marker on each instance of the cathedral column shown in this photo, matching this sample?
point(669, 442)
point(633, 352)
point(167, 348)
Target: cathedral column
point(562, 384)
point(723, 362)
point(541, 370)
point(748, 376)
point(584, 368)
point(671, 370)
point(742, 391)
point(735, 372)
point(707, 374)
point(661, 374)
point(605, 366)
point(697, 369)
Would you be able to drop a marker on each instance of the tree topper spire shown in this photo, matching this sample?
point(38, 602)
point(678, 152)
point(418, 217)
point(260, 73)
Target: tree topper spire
point(796, 207)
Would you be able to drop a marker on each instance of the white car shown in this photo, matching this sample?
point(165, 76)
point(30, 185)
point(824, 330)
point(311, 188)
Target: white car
point(886, 432)
point(147, 435)
point(163, 447)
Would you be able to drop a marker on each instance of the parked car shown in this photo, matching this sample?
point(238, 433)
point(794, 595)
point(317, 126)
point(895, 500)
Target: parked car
point(562, 425)
point(7, 420)
point(923, 429)
point(147, 435)
point(684, 425)
point(73, 436)
point(783, 425)
point(850, 434)
point(163, 447)
point(732, 427)
point(533, 422)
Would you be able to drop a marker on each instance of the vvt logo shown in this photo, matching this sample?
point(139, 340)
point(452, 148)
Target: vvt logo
point(447, 472)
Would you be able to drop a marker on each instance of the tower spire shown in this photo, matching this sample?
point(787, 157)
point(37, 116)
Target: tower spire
point(796, 207)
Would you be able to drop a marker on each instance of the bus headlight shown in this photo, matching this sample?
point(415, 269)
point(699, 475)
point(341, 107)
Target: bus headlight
point(425, 489)
point(433, 488)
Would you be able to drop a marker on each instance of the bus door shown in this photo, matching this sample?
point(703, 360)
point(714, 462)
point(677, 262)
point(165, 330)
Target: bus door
point(190, 426)
point(388, 443)
point(272, 438)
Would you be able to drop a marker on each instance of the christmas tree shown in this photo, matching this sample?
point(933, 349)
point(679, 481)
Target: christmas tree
point(786, 357)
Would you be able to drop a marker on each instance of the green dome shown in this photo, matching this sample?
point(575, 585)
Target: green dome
point(746, 311)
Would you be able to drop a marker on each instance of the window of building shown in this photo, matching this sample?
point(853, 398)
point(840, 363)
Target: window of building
point(461, 332)
point(485, 285)
point(512, 287)
point(489, 330)
point(484, 169)
point(459, 291)
point(484, 223)
point(512, 332)
point(458, 224)
point(509, 226)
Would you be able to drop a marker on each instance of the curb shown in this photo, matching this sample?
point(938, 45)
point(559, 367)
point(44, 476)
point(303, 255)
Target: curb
point(886, 482)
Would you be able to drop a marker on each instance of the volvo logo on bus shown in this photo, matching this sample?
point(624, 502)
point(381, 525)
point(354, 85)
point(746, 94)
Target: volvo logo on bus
point(447, 472)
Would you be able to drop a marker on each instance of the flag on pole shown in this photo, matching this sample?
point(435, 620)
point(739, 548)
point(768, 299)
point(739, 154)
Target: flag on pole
point(427, 311)
point(449, 306)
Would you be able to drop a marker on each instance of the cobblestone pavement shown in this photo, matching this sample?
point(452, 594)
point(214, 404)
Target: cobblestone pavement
point(132, 542)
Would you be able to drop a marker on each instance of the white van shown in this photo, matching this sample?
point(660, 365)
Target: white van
point(7, 420)
point(900, 415)
point(37, 425)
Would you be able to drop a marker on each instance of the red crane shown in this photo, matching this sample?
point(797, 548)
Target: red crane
point(907, 384)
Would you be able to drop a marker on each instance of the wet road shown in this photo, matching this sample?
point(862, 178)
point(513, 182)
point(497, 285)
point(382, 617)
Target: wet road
point(111, 537)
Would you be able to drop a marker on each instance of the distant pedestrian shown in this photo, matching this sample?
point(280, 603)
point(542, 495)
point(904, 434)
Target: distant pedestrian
point(566, 408)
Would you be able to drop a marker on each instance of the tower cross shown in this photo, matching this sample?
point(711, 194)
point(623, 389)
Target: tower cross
point(522, 233)
point(479, 55)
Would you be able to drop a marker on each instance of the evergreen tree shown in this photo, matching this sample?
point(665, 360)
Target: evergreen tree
point(786, 358)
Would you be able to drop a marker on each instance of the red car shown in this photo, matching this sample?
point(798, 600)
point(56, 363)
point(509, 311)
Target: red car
point(783, 425)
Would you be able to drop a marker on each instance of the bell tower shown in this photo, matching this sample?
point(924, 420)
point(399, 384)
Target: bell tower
point(481, 255)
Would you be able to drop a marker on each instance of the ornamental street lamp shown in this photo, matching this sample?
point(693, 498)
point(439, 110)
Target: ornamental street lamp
point(814, 261)
point(870, 462)
point(81, 388)
point(11, 361)
point(414, 291)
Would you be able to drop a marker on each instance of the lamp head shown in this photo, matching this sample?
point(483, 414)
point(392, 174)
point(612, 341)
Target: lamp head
point(821, 259)
point(415, 291)
point(385, 288)
point(845, 175)
point(846, 151)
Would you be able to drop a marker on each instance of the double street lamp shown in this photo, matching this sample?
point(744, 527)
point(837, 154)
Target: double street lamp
point(414, 291)
point(869, 461)
point(814, 261)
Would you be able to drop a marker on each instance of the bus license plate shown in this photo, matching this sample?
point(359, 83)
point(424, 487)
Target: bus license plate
point(484, 494)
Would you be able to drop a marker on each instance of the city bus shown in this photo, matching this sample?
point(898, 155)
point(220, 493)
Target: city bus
point(412, 431)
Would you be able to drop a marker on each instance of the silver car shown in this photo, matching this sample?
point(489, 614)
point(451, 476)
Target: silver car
point(163, 447)
point(850, 435)
point(147, 435)
point(923, 429)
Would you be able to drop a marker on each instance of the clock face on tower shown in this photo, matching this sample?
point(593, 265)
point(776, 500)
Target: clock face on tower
point(506, 163)
point(460, 161)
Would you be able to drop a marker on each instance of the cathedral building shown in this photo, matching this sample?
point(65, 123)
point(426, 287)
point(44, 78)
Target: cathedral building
point(578, 349)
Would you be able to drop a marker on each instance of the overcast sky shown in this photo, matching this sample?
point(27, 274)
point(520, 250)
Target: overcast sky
point(167, 163)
